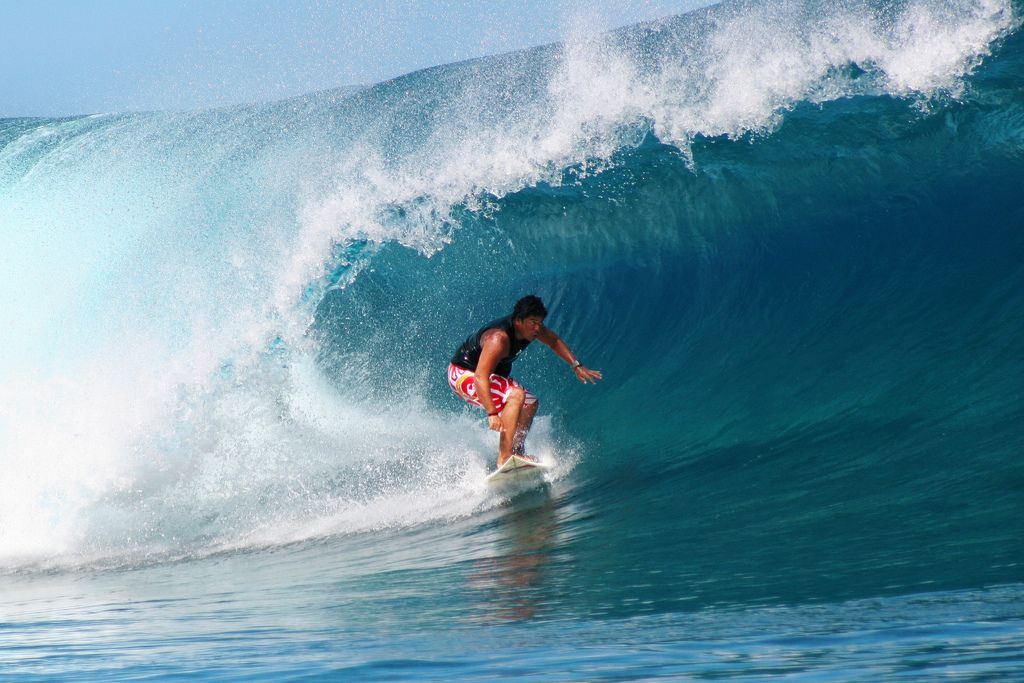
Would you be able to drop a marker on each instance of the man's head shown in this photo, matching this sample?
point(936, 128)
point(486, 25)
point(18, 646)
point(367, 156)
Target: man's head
point(529, 306)
point(528, 316)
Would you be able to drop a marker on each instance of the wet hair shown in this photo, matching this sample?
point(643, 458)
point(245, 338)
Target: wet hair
point(528, 306)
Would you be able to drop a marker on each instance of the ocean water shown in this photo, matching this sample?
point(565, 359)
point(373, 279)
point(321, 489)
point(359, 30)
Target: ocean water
point(790, 235)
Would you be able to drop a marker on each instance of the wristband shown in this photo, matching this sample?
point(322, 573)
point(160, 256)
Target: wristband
point(492, 414)
point(577, 364)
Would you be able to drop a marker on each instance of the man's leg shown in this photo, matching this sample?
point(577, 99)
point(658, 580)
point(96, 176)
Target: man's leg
point(510, 422)
point(526, 414)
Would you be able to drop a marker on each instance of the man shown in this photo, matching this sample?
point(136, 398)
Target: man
point(485, 360)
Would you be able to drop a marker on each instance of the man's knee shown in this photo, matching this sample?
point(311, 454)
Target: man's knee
point(516, 396)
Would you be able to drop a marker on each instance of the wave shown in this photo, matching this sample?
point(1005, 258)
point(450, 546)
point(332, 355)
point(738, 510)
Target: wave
point(786, 232)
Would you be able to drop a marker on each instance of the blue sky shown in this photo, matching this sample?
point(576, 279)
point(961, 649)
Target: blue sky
point(63, 57)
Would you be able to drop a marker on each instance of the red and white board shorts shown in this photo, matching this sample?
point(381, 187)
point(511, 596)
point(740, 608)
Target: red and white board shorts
point(463, 383)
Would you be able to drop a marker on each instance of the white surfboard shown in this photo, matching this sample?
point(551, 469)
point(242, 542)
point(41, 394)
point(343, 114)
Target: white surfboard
point(519, 470)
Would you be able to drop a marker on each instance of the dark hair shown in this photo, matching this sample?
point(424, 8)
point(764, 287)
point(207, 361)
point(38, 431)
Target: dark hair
point(528, 306)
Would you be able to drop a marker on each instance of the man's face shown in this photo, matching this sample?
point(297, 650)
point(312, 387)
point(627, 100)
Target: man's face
point(528, 328)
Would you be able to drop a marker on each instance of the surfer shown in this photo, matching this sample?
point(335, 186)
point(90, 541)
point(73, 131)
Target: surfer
point(486, 357)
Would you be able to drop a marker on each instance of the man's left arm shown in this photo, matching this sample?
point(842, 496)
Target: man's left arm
point(583, 374)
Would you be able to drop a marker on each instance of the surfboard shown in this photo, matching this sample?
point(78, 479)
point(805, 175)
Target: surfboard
point(519, 470)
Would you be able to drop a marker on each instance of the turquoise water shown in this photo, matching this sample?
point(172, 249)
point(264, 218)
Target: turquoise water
point(790, 236)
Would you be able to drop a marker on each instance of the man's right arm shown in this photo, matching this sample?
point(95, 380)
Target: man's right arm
point(494, 345)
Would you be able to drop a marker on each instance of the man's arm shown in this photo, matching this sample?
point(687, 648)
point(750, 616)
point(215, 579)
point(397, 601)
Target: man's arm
point(585, 375)
point(495, 345)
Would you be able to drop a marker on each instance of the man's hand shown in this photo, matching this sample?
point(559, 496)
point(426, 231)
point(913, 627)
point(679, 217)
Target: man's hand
point(494, 422)
point(587, 376)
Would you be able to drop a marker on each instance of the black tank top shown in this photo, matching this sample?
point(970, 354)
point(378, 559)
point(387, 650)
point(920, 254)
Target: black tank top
point(468, 354)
